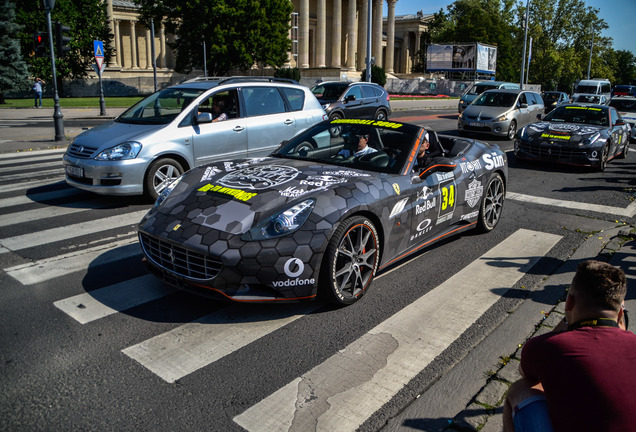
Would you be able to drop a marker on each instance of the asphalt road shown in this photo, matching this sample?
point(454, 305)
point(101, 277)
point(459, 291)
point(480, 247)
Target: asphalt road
point(92, 342)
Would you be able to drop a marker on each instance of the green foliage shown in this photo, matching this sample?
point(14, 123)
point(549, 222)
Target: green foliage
point(624, 67)
point(291, 73)
point(238, 33)
point(378, 75)
point(87, 20)
point(13, 69)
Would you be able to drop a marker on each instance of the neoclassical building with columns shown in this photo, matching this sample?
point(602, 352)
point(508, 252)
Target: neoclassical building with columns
point(325, 34)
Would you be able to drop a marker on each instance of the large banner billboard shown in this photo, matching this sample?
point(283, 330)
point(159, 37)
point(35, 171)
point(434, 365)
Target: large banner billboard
point(465, 57)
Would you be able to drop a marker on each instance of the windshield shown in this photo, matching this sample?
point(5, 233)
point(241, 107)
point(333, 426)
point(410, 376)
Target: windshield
point(478, 89)
point(329, 91)
point(586, 89)
point(338, 142)
point(161, 107)
point(496, 99)
point(587, 99)
point(624, 104)
point(579, 114)
point(550, 97)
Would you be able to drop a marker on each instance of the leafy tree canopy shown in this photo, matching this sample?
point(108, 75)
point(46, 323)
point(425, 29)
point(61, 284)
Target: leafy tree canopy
point(87, 20)
point(13, 69)
point(237, 33)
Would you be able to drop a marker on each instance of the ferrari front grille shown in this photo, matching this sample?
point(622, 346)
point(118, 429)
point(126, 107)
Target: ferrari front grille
point(178, 260)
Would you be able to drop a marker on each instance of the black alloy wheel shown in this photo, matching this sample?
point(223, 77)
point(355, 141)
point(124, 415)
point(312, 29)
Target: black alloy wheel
point(491, 204)
point(351, 261)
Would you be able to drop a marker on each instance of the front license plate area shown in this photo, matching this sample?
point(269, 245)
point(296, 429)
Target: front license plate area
point(477, 124)
point(75, 171)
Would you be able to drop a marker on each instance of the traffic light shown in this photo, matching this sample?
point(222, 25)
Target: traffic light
point(61, 40)
point(39, 44)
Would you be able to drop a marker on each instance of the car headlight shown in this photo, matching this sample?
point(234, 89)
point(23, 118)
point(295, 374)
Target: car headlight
point(590, 140)
point(523, 133)
point(325, 106)
point(167, 191)
point(282, 223)
point(127, 150)
point(502, 118)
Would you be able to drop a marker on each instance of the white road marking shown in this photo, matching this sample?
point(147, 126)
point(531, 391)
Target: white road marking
point(628, 211)
point(43, 213)
point(106, 301)
point(27, 154)
point(30, 175)
point(342, 392)
point(190, 347)
point(40, 238)
point(61, 265)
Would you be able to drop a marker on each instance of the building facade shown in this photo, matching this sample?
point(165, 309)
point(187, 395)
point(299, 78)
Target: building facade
point(325, 34)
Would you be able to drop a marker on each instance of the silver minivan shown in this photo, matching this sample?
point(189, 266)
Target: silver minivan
point(152, 143)
point(501, 112)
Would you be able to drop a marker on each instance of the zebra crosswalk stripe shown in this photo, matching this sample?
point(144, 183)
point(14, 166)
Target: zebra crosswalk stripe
point(346, 389)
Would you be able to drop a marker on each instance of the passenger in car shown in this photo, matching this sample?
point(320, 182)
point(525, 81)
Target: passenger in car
point(218, 113)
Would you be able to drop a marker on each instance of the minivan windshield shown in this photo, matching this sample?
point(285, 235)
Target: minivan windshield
point(496, 99)
point(478, 89)
point(161, 107)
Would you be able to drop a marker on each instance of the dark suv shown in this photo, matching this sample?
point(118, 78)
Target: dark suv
point(353, 100)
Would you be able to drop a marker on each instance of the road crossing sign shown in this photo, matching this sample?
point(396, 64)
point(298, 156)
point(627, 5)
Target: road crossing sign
point(98, 48)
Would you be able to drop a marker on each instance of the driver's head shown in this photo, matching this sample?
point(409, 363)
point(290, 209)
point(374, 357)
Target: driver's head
point(362, 141)
point(424, 145)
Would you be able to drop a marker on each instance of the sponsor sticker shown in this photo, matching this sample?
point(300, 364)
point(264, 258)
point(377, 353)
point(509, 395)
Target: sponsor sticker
point(293, 268)
point(553, 136)
point(210, 172)
point(469, 215)
point(396, 188)
point(473, 193)
point(259, 177)
point(470, 166)
point(380, 123)
point(398, 208)
point(422, 228)
point(493, 160)
point(236, 193)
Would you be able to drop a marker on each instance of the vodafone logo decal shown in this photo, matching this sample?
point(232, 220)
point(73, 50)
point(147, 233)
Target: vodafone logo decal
point(294, 267)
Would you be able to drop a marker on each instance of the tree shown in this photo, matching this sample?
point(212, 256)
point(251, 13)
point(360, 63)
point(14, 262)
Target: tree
point(378, 75)
point(13, 68)
point(87, 20)
point(625, 67)
point(238, 33)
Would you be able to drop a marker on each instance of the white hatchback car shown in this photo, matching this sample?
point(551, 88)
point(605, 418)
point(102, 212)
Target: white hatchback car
point(152, 143)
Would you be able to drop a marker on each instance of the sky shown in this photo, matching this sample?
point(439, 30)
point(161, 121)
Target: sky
point(618, 14)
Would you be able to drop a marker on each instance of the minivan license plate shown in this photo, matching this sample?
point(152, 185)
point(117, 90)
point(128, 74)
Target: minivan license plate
point(74, 171)
point(477, 124)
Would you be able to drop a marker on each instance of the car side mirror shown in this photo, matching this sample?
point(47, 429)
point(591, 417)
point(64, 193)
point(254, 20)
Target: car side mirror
point(524, 105)
point(350, 98)
point(539, 116)
point(619, 122)
point(204, 117)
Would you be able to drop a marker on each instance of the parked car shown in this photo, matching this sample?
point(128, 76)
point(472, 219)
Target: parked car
point(152, 143)
point(552, 99)
point(626, 107)
point(624, 90)
point(478, 88)
point(596, 86)
point(586, 135)
point(306, 221)
point(353, 100)
point(590, 99)
point(500, 112)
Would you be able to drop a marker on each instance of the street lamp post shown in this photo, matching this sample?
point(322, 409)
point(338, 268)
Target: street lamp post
point(589, 65)
point(58, 118)
point(369, 39)
point(525, 40)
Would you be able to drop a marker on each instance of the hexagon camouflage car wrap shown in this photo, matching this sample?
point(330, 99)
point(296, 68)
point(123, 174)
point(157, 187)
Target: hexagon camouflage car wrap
point(208, 235)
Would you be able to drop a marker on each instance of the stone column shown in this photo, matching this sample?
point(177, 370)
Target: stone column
point(303, 29)
point(336, 34)
point(352, 35)
point(112, 62)
point(118, 59)
point(149, 42)
point(162, 41)
point(377, 32)
point(390, 36)
point(321, 33)
point(405, 51)
point(133, 46)
point(362, 33)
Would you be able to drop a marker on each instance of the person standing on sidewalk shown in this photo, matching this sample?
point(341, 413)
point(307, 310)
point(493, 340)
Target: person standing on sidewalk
point(582, 376)
point(37, 90)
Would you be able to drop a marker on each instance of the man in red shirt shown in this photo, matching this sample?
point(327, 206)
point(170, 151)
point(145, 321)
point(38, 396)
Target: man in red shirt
point(582, 378)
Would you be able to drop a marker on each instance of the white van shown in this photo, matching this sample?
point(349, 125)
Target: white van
point(596, 86)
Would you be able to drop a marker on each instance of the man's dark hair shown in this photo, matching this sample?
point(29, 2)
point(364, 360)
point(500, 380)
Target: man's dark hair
point(599, 284)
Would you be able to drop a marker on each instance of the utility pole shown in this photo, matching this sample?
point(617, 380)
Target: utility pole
point(525, 41)
point(589, 65)
point(369, 30)
point(58, 118)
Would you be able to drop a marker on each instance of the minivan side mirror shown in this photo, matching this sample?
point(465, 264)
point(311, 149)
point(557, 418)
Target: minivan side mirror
point(204, 117)
point(524, 105)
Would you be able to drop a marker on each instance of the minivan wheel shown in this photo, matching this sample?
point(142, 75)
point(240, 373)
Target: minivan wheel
point(512, 130)
point(160, 175)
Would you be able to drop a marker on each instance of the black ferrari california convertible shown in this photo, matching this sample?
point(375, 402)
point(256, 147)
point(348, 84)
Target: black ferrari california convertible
point(586, 135)
point(319, 216)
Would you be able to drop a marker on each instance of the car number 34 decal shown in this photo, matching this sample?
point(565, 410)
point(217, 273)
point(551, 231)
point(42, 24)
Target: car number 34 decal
point(448, 195)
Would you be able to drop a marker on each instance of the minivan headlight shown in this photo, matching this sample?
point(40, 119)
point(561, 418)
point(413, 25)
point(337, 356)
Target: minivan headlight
point(127, 150)
point(502, 118)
